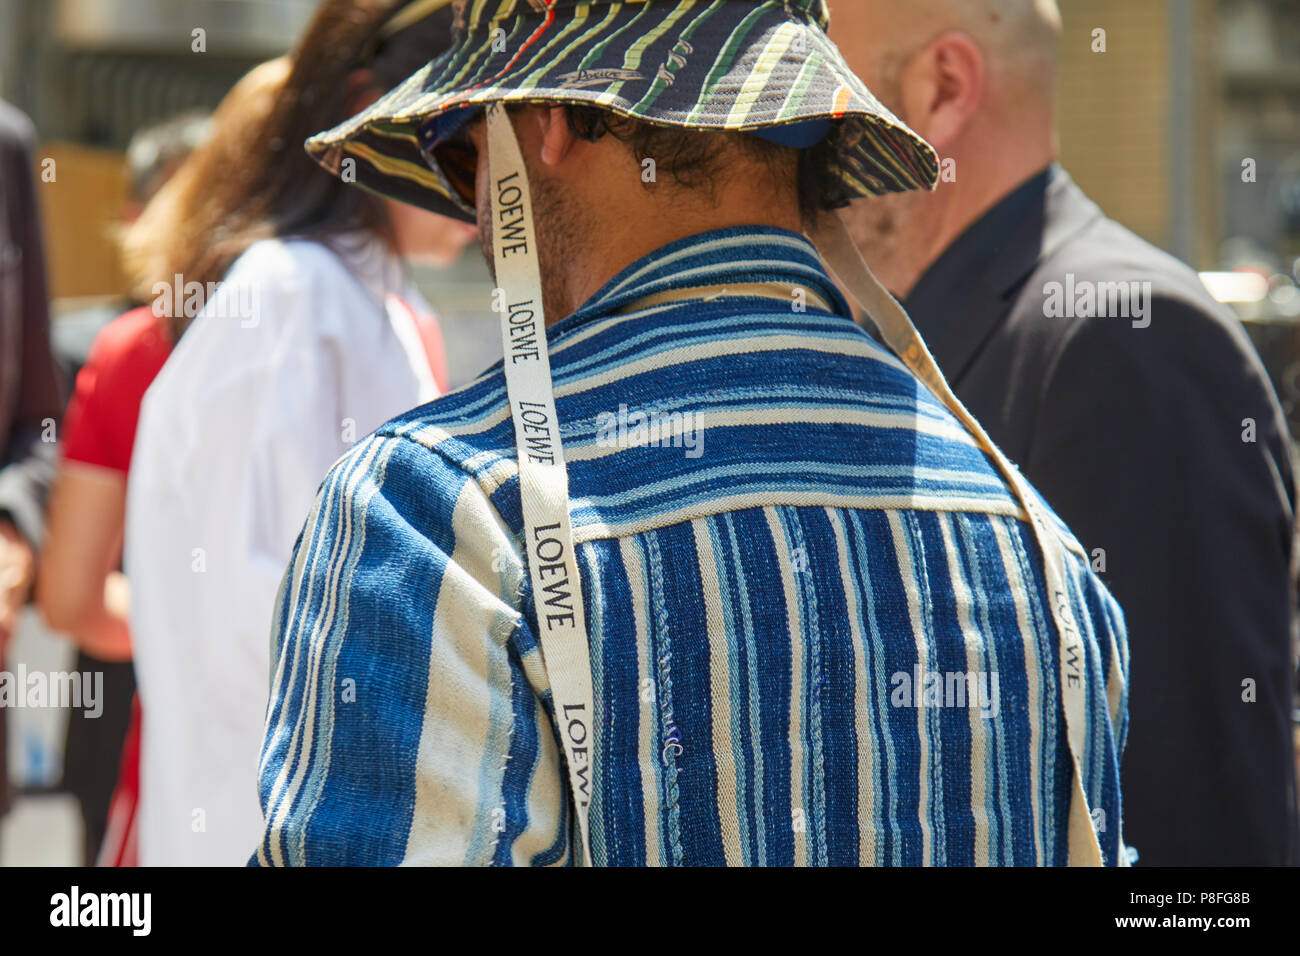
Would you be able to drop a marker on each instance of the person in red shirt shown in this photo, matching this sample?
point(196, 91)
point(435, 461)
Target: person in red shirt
point(83, 597)
point(81, 591)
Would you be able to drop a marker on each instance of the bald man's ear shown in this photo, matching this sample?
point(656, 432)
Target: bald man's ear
point(941, 87)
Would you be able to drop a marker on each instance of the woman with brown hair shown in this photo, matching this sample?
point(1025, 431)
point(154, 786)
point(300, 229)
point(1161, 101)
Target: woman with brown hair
point(302, 333)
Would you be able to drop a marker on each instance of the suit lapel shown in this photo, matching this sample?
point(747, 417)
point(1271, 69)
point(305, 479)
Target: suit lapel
point(1053, 217)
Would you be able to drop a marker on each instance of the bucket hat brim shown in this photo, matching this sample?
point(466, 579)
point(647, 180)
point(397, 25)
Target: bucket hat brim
point(739, 65)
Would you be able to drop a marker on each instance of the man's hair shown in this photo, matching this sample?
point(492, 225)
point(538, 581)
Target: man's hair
point(699, 159)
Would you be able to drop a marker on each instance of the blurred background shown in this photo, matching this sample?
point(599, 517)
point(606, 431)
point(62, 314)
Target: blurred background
point(1186, 130)
point(91, 73)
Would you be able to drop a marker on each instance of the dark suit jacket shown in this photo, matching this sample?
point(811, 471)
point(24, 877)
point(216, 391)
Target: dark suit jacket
point(1135, 436)
point(30, 386)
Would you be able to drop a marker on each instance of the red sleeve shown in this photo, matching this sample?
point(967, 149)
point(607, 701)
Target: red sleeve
point(99, 426)
point(85, 437)
point(434, 350)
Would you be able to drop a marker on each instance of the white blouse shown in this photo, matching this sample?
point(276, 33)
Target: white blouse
point(300, 353)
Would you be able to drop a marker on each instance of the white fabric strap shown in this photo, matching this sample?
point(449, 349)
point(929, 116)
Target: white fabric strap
point(841, 255)
point(543, 480)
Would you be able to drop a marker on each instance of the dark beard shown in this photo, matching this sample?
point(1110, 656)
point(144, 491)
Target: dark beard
point(557, 227)
point(560, 240)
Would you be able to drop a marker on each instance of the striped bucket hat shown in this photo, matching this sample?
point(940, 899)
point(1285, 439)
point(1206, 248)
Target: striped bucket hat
point(762, 66)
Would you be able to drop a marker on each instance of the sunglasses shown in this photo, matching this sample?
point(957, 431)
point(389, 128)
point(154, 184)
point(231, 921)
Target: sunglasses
point(449, 151)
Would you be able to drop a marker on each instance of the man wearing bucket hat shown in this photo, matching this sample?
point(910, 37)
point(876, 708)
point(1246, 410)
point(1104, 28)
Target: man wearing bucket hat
point(701, 573)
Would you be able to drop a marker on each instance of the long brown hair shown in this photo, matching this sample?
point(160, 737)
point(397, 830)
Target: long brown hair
point(252, 180)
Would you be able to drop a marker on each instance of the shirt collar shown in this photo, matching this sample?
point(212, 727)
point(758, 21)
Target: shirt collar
point(739, 255)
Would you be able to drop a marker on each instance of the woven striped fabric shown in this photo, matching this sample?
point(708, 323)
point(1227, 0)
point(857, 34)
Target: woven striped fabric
point(818, 624)
point(700, 64)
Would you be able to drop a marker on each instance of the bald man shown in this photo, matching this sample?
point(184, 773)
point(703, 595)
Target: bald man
point(1131, 400)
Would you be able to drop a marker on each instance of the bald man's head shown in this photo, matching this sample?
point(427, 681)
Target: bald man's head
point(1019, 39)
point(976, 79)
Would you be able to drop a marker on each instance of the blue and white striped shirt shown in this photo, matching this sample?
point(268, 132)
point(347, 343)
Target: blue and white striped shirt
point(818, 624)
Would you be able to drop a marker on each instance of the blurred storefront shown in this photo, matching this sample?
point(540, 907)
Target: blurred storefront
point(92, 72)
point(1186, 128)
point(1260, 226)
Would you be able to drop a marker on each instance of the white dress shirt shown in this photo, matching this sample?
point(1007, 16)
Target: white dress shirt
point(299, 354)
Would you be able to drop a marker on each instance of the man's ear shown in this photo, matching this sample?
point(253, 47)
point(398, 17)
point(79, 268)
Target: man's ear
point(942, 87)
point(558, 138)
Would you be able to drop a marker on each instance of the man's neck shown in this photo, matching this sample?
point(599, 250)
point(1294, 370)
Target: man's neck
point(987, 168)
point(620, 240)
